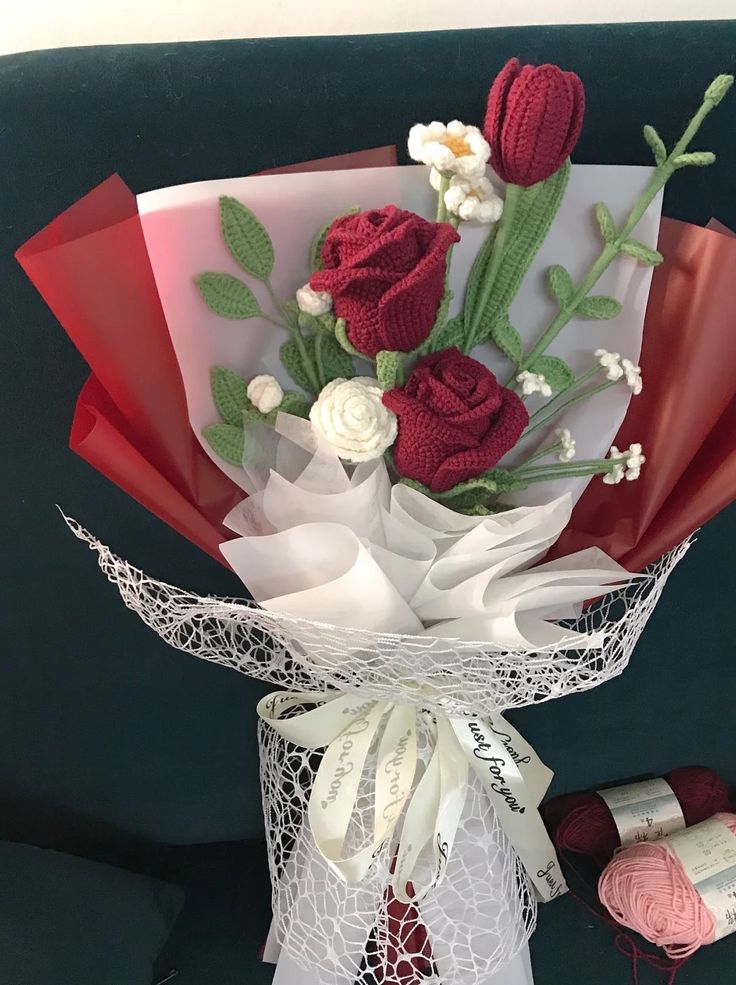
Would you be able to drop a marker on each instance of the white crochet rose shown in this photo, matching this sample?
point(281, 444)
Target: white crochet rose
point(265, 393)
point(313, 302)
point(351, 416)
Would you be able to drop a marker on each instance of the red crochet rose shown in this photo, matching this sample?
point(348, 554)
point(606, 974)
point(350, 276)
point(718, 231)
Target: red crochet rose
point(533, 120)
point(385, 270)
point(455, 420)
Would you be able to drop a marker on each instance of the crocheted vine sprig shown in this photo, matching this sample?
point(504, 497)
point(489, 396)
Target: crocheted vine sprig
point(312, 354)
point(575, 300)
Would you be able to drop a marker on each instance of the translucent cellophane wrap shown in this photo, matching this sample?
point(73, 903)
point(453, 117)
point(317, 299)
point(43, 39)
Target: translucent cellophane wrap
point(483, 910)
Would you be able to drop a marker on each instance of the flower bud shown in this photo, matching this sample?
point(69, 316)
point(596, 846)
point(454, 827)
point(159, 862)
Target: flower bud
point(533, 121)
point(718, 88)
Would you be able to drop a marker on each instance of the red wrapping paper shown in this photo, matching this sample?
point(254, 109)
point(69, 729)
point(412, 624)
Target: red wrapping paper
point(685, 417)
point(130, 423)
point(91, 266)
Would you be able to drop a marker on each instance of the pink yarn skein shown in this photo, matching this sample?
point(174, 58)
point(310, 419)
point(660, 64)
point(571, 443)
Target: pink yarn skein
point(645, 888)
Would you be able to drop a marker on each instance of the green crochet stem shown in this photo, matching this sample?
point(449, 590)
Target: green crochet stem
point(662, 173)
point(312, 368)
point(542, 453)
point(543, 473)
point(546, 409)
point(585, 395)
point(441, 209)
point(318, 364)
point(513, 194)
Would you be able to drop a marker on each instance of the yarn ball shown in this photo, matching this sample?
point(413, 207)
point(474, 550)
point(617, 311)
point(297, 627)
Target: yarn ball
point(582, 823)
point(645, 888)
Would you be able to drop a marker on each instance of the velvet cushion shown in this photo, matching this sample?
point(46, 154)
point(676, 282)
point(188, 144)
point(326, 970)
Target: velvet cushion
point(65, 920)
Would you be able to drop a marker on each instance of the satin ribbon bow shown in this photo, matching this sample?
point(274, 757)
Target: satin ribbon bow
point(347, 725)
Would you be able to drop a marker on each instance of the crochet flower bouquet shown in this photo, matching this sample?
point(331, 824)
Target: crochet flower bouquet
point(414, 397)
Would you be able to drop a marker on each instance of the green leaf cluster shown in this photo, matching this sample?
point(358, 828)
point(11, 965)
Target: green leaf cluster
point(230, 395)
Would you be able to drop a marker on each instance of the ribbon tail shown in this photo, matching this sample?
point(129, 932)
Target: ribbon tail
point(515, 804)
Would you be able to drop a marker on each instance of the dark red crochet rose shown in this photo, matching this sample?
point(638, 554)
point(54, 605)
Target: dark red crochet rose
point(455, 420)
point(533, 120)
point(385, 270)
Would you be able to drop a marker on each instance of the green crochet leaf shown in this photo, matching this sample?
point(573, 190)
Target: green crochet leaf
point(229, 391)
point(388, 368)
point(605, 222)
point(226, 440)
point(326, 323)
point(315, 250)
point(246, 238)
point(599, 307)
point(307, 323)
point(316, 323)
point(656, 144)
point(332, 360)
point(291, 358)
point(294, 403)
point(555, 371)
point(250, 414)
point(644, 254)
point(560, 284)
point(291, 312)
point(227, 296)
point(438, 328)
point(533, 216)
point(477, 271)
point(474, 496)
point(452, 333)
point(698, 159)
point(342, 339)
point(508, 340)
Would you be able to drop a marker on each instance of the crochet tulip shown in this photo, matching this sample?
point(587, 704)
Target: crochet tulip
point(533, 121)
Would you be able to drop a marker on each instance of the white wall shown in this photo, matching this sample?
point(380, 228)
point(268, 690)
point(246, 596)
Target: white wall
point(29, 24)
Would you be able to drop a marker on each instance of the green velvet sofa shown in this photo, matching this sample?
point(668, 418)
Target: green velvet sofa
point(113, 746)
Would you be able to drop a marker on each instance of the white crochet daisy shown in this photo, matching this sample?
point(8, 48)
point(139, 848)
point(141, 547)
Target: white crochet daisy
point(452, 149)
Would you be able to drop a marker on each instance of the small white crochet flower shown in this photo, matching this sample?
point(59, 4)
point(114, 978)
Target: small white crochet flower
point(313, 302)
point(265, 393)
point(567, 452)
point(351, 416)
point(629, 467)
point(472, 201)
point(611, 362)
point(633, 376)
point(618, 368)
point(634, 462)
point(534, 383)
point(454, 148)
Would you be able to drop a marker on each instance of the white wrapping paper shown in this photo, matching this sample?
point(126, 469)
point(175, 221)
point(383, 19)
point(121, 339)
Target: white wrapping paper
point(349, 550)
point(181, 228)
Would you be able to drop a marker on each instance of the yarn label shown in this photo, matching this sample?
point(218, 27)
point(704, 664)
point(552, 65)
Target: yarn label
point(645, 811)
point(707, 852)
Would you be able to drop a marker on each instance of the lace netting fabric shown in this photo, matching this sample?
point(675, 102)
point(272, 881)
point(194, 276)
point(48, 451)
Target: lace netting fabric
point(483, 911)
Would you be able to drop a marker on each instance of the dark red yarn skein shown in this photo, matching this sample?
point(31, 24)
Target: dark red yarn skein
point(582, 823)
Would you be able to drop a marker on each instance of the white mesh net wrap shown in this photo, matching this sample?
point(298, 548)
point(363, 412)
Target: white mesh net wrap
point(483, 911)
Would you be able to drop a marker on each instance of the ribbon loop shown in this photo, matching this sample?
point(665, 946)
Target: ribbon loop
point(349, 727)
